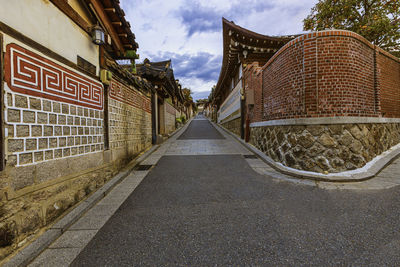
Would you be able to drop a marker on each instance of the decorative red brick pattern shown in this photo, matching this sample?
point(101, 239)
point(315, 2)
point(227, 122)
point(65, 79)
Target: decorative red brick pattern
point(28, 73)
point(127, 95)
point(327, 74)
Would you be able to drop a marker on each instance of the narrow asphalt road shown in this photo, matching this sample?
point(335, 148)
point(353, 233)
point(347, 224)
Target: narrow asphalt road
point(202, 210)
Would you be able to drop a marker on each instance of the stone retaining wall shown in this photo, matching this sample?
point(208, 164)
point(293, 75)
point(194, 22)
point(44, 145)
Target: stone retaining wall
point(169, 119)
point(233, 126)
point(325, 148)
point(129, 121)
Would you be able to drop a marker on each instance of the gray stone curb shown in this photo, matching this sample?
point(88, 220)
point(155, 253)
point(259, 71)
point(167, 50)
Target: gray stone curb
point(183, 127)
point(352, 176)
point(30, 252)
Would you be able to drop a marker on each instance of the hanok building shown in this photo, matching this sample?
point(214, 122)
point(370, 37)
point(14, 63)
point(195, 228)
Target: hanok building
point(241, 48)
point(168, 99)
point(71, 116)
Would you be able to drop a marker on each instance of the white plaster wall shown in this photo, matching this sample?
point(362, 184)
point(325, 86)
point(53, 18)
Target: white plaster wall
point(43, 22)
point(76, 5)
point(231, 103)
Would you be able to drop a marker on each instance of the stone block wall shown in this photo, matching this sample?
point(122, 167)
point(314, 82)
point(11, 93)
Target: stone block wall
point(51, 112)
point(233, 126)
point(41, 130)
point(54, 140)
point(169, 118)
point(325, 148)
point(129, 121)
point(53, 143)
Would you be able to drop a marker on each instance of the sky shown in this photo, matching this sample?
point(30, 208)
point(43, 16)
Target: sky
point(190, 32)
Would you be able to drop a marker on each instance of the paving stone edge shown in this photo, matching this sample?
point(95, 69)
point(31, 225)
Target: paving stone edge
point(363, 174)
point(31, 251)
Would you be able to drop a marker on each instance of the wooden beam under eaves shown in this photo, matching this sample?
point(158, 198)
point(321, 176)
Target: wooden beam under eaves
point(101, 13)
point(72, 14)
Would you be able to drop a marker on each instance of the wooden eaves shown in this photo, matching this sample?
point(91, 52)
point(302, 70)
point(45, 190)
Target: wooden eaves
point(237, 39)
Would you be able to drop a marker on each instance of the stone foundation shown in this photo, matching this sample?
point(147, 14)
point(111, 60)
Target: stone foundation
point(25, 213)
point(233, 126)
point(325, 148)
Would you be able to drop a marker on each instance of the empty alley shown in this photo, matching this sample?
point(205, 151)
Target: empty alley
point(203, 203)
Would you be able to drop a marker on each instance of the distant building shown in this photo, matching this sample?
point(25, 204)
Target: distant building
point(241, 48)
point(168, 99)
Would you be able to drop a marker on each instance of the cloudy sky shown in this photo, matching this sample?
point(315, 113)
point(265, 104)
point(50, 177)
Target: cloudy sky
point(190, 32)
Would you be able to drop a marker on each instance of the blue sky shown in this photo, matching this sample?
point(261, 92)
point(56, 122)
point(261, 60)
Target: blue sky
point(190, 32)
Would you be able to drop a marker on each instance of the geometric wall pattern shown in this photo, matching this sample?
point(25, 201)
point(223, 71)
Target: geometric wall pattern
point(29, 73)
point(129, 96)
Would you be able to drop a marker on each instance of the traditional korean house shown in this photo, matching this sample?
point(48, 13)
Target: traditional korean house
point(168, 100)
point(242, 50)
point(71, 115)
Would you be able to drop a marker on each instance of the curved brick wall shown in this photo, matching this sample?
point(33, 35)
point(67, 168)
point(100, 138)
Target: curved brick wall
point(388, 74)
point(330, 73)
point(326, 74)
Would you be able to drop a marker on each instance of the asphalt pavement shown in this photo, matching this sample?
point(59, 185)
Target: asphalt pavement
point(202, 210)
point(201, 129)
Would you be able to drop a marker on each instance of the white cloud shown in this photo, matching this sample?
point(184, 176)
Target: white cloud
point(160, 28)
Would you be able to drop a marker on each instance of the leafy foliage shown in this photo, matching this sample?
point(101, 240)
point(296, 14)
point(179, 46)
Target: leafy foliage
point(187, 96)
point(183, 119)
point(376, 20)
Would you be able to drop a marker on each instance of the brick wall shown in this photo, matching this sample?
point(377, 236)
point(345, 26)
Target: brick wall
point(330, 73)
point(129, 120)
point(252, 79)
point(283, 85)
point(389, 83)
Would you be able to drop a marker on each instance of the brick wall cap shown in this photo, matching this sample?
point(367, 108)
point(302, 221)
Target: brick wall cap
point(328, 33)
point(324, 121)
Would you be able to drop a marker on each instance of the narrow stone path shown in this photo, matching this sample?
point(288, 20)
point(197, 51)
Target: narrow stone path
point(205, 203)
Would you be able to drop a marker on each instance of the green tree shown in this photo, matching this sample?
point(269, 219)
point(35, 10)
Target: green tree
point(187, 96)
point(376, 20)
point(187, 99)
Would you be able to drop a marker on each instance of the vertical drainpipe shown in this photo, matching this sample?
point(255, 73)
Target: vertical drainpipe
point(242, 104)
point(242, 112)
point(153, 118)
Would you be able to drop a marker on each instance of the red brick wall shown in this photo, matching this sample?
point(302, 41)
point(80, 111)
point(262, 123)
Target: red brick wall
point(330, 73)
point(388, 72)
point(345, 78)
point(283, 85)
point(252, 77)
